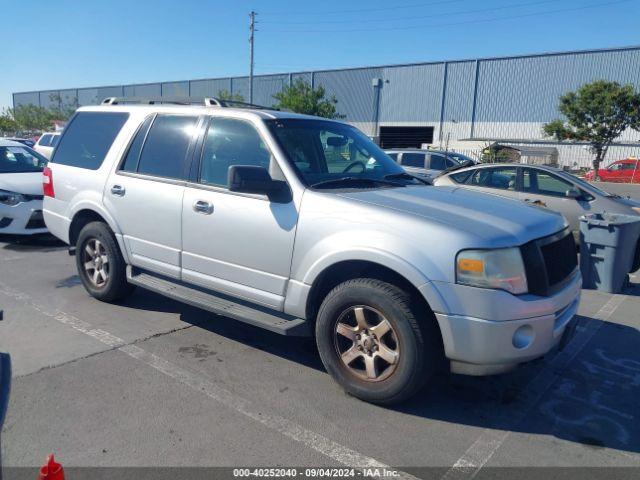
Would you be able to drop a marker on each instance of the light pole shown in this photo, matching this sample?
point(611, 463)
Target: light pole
point(252, 29)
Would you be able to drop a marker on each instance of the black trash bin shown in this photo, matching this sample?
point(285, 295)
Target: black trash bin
point(607, 249)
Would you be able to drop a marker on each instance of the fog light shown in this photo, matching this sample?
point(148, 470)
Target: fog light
point(523, 337)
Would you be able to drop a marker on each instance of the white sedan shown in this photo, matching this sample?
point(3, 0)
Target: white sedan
point(20, 189)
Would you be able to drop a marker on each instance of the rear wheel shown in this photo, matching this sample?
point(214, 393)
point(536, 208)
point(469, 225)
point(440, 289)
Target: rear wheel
point(101, 267)
point(370, 341)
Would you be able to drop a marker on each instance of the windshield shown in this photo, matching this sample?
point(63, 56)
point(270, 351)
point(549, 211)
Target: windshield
point(334, 154)
point(459, 157)
point(20, 160)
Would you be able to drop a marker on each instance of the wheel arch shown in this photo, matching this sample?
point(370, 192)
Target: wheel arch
point(341, 271)
point(88, 214)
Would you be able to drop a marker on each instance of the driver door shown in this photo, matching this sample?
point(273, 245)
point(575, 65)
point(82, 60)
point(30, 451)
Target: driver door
point(550, 191)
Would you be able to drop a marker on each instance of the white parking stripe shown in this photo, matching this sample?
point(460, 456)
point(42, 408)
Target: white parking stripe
point(289, 429)
point(468, 466)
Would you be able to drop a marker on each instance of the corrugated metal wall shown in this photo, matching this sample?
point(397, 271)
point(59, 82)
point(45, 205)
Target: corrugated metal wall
point(500, 98)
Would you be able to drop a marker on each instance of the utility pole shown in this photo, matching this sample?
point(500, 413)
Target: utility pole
point(252, 29)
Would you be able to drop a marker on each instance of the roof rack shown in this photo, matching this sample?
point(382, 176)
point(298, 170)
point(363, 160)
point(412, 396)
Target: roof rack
point(206, 101)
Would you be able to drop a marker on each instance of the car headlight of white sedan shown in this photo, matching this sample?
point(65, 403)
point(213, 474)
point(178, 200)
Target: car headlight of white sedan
point(501, 268)
point(11, 198)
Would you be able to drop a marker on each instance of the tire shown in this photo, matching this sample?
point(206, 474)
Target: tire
point(111, 285)
point(415, 345)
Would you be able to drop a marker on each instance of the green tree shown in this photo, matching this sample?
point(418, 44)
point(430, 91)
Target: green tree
point(32, 117)
point(227, 95)
point(7, 124)
point(596, 113)
point(301, 97)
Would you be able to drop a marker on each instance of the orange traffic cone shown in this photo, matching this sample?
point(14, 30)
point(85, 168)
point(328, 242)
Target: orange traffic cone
point(51, 470)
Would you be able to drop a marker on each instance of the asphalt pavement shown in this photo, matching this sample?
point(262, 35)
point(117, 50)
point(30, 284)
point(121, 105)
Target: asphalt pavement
point(152, 382)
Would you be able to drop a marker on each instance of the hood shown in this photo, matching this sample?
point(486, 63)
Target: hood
point(496, 220)
point(29, 183)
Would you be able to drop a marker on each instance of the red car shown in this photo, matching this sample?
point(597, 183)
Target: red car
point(622, 171)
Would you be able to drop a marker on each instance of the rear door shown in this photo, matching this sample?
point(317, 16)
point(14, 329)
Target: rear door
point(501, 180)
point(145, 192)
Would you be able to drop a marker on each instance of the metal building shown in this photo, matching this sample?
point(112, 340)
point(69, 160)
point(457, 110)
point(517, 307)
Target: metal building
point(505, 99)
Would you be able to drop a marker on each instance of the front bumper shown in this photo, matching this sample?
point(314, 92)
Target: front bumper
point(22, 219)
point(506, 330)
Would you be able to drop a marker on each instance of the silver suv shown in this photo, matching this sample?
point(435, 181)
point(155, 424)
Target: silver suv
point(303, 226)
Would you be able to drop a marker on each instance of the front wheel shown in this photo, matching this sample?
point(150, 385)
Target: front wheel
point(371, 342)
point(101, 267)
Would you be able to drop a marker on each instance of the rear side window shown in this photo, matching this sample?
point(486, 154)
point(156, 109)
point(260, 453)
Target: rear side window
point(44, 141)
point(55, 139)
point(438, 162)
point(87, 139)
point(164, 152)
point(415, 160)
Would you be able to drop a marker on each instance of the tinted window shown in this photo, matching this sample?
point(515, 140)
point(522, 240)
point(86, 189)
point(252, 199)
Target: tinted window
point(87, 139)
point(415, 160)
point(44, 141)
point(501, 178)
point(438, 162)
point(543, 183)
point(394, 156)
point(55, 139)
point(133, 155)
point(164, 152)
point(629, 166)
point(20, 160)
point(230, 142)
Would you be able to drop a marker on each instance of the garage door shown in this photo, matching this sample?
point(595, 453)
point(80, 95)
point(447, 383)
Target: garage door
point(405, 137)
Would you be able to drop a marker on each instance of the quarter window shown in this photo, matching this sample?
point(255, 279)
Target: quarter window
point(88, 138)
point(164, 152)
point(413, 160)
point(500, 178)
point(231, 142)
point(544, 183)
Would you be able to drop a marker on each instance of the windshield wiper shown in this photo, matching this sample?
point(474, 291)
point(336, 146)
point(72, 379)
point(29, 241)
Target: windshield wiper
point(407, 176)
point(350, 181)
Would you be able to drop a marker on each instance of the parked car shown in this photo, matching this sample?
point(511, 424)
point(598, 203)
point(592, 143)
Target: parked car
point(25, 141)
point(303, 226)
point(20, 189)
point(622, 171)
point(541, 185)
point(427, 163)
point(46, 143)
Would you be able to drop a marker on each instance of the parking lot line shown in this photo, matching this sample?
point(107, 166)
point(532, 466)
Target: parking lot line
point(468, 466)
point(331, 449)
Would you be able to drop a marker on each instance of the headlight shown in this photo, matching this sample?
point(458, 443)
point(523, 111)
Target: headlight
point(11, 198)
point(501, 269)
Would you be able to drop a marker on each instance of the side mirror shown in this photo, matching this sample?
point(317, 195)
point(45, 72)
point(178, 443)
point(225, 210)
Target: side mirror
point(253, 179)
point(573, 193)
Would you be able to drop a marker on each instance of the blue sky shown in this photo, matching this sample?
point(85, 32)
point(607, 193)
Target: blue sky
point(78, 43)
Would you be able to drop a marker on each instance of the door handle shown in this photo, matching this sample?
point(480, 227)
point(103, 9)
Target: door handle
point(201, 206)
point(118, 190)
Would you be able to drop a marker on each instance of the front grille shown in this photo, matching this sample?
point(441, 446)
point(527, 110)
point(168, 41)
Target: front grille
point(549, 262)
point(560, 259)
point(5, 222)
point(35, 221)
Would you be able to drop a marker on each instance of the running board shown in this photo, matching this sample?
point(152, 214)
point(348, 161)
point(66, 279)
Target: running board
point(276, 322)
